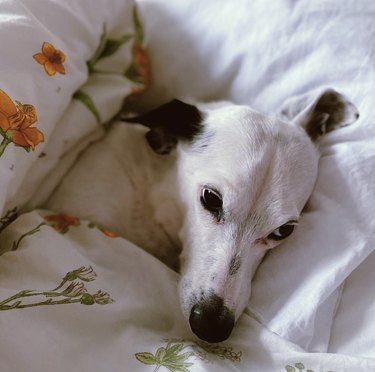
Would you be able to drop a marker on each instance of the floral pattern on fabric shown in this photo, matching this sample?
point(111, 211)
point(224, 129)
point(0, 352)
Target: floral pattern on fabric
point(71, 290)
point(51, 58)
point(61, 222)
point(17, 243)
point(138, 72)
point(107, 232)
point(174, 356)
point(9, 216)
point(298, 367)
point(16, 120)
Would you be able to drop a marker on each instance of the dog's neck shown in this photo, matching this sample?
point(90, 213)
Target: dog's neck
point(165, 198)
point(165, 201)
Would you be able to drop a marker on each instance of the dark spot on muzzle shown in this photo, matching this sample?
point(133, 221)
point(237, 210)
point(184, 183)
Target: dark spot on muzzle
point(234, 265)
point(210, 320)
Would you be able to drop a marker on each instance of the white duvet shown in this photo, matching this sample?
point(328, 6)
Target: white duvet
point(73, 295)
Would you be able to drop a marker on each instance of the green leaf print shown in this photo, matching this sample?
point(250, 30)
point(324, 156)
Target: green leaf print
point(99, 50)
point(138, 71)
point(167, 357)
point(174, 358)
point(146, 358)
point(106, 48)
point(113, 45)
point(139, 33)
point(80, 95)
point(300, 366)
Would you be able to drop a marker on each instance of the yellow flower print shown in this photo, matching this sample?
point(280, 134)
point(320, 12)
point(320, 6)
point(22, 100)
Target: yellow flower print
point(51, 58)
point(15, 124)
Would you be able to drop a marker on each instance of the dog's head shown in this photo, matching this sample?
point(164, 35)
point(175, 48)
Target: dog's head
point(244, 179)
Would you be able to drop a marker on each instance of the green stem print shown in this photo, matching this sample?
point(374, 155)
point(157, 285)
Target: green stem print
point(174, 356)
point(71, 290)
point(5, 142)
point(85, 274)
point(31, 232)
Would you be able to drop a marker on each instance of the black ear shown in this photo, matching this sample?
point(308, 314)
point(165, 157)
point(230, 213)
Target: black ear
point(168, 123)
point(320, 113)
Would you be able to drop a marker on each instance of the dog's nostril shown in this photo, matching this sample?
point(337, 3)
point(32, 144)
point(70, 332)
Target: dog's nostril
point(210, 320)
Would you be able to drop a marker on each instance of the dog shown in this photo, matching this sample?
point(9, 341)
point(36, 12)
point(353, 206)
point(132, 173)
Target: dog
point(208, 189)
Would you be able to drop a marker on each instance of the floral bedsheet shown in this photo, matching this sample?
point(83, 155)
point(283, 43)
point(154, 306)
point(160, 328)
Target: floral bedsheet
point(75, 296)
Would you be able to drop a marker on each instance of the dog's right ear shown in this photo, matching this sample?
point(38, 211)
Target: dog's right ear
point(319, 113)
point(169, 123)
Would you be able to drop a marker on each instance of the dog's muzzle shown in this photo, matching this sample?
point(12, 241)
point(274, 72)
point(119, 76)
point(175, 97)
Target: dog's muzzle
point(210, 320)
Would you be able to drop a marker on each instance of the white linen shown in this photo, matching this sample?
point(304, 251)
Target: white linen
point(353, 330)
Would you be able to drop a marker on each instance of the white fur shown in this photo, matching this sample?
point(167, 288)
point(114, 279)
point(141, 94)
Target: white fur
point(265, 169)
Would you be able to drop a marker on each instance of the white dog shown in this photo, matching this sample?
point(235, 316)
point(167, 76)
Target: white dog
point(222, 182)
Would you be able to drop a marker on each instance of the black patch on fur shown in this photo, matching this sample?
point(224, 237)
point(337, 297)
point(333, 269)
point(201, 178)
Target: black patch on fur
point(331, 111)
point(234, 265)
point(169, 123)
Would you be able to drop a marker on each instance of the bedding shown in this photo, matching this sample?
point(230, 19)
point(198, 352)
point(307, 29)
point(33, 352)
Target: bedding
point(73, 295)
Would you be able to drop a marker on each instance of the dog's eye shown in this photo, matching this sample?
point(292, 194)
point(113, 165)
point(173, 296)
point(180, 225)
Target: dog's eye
point(211, 200)
point(283, 231)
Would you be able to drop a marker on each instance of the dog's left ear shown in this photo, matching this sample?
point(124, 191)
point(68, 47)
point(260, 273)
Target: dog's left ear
point(168, 123)
point(320, 113)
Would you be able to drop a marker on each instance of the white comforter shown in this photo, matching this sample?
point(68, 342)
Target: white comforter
point(74, 296)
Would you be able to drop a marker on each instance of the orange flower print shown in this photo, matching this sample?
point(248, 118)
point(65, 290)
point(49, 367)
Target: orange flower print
point(61, 222)
point(142, 62)
point(51, 58)
point(108, 233)
point(139, 72)
point(15, 124)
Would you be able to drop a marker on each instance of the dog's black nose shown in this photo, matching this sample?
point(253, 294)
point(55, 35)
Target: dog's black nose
point(210, 320)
